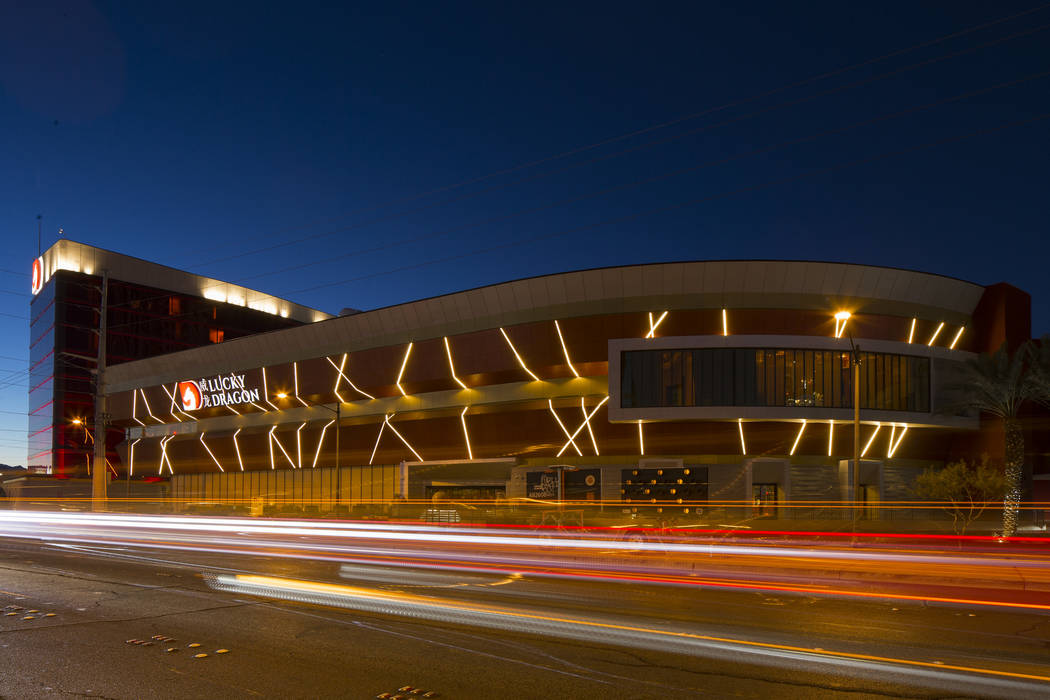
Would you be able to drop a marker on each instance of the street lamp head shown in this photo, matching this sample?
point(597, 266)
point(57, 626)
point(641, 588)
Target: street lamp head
point(282, 395)
point(842, 316)
point(77, 421)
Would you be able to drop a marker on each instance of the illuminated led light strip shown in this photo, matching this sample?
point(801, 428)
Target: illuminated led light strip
point(564, 349)
point(514, 350)
point(956, 338)
point(269, 442)
point(148, 409)
point(550, 405)
point(274, 437)
point(466, 436)
point(340, 375)
point(725, 322)
point(831, 435)
point(131, 457)
point(451, 367)
point(911, 333)
point(641, 439)
point(295, 374)
point(164, 455)
point(840, 322)
point(378, 437)
point(258, 406)
point(266, 393)
point(237, 448)
point(653, 326)
point(111, 467)
point(299, 445)
point(171, 395)
point(895, 444)
point(233, 410)
point(878, 427)
point(390, 425)
point(798, 437)
point(134, 407)
point(740, 427)
point(586, 422)
point(320, 441)
point(404, 363)
point(935, 334)
point(210, 454)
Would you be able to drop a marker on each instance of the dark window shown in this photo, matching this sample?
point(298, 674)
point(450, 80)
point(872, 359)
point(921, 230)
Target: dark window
point(772, 377)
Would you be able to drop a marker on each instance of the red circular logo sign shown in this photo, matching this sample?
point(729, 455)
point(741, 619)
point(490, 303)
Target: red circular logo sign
point(38, 274)
point(190, 394)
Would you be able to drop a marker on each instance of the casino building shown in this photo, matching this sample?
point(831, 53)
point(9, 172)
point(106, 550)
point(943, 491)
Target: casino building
point(668, 383)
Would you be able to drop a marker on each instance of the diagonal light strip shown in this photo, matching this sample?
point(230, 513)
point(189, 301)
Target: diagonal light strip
point(299, 445)
point(878, 427)
point(516, 355)
point(266, 393)
point(564, 348)
point(798, 437)
point(320, 441)
point(565, 430)
point(131, 457)
point(401, 372)
point(586, 422)
point(466, 435)
point(390, 425)
point(341, 375)
point(895, 445)
point(171, 395)
point(134, 407)
point(211, 454)
point(378, 437)
point(295, 374)
point(936, 333)
point(237, 448)
point(452, 367)
point(653, 326)
point(273, 436)
point(148, 409)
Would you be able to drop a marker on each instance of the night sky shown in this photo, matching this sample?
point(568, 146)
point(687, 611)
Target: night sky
point(382, 152)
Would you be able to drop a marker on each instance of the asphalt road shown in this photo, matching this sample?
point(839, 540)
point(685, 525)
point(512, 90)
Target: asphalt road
point(521, 637)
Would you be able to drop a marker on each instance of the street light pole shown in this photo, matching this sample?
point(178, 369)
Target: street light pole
point(99, 475)
point(855, 476)
point(338, 471)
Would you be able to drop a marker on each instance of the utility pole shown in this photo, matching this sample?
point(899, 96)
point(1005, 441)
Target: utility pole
point(99, 475)
point(338, 471)
point(856, 430)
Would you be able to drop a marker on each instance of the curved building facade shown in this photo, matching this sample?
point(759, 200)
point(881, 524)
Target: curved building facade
point(677, 383)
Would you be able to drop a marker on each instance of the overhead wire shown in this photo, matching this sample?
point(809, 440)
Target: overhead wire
point(690, 202)
point(664, 175)
point(655, 127)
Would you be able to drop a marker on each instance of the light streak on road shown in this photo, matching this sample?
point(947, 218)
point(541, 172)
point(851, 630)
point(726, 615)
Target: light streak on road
point(664, 639)
point(1010, 577)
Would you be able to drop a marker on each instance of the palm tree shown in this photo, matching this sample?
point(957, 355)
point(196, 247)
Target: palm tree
point(999, 384)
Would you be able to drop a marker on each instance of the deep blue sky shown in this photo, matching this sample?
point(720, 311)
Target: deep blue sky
point(192, 132)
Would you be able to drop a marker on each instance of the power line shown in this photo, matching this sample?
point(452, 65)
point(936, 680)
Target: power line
point(679, 205)
point(653, 127)
point(662, 176)
point(621, 137)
